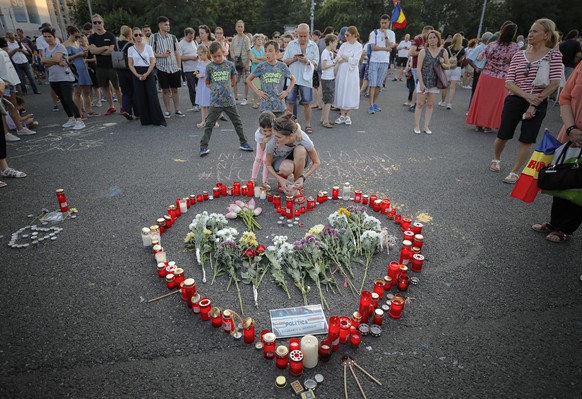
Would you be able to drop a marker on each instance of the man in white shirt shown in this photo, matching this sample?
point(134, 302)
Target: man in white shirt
point(381, 42)
point(19, 53)
point(189, 50)
point(402, 59)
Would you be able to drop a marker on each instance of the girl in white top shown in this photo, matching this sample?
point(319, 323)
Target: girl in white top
point(328, 78)
point(262, 137)
point(347, 82)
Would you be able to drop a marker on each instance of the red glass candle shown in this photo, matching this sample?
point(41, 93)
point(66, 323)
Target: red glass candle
point(310, 204)
point(179, 276)
point(393, 270)
point(262, 335)
point(385, 207)
point(171, 267)
point(358, 196)
point(227, 322)
point(387, 283)
point(355, 339)
point(296, 363)
point(248, 330)
point(408, 235)
point(391, 213)
point(405, 224)
point(365, 302)
point(373, 199)
point(195, 303)
point(269, 343)
point(170, 281)
point(62, 200)
point(216, 317)
point(417, 228)
point(172, 212)
point(188, 289)
point(379, 284)
point(216, 192)
point(396, 307)
point(205, 195)
point(302, 210)
point(250, 188)
point(161, 269)
point(205, 306)
point(324, 195)
point(276, 200)
point(199, 198)
point(297, 213)
point(281, 357)
point(168, 222)
point(397, 219)
point(375, 300)
point(324, 350)
point(236, 188)
point(378, 316)
point(345, 324)
point(270, 197)
point(365, 199)
point(335, 193)
point(289, 207)
point(187, 200)
point(377, 206)
point(356, 319)
point(417, 262)
point(319, 198)
point(405, 252)
point(178, 210)
point(223, 190)
point(294, 344)
point(244, 191)
point(333, 332)
point(418, 241)
point(192, 199)
point(403, 282)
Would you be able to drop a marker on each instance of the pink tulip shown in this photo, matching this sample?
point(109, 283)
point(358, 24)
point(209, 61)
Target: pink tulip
point(234, 208)
point(240, 203)
point(258, 211)
point(231, 215)
point(251, 203)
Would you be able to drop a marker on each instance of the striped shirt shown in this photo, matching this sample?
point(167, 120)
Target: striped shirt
point(160, 45)
point(522, 72)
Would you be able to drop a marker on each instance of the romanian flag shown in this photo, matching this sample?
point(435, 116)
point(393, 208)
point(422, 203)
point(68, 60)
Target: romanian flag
point(526, 188)
point(398, 19)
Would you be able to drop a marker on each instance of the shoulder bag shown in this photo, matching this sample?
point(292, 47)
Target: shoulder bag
point(562, 176)
point(542, 78)
point(442, 81)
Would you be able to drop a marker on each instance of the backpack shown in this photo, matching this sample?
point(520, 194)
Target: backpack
point(369, 45)
point(453, 58)
point(119, 57)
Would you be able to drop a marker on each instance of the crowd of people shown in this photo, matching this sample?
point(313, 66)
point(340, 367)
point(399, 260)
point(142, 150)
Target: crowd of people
point(511, 80)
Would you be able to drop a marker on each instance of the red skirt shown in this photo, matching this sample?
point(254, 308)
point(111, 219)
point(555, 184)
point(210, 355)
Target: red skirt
point(487, 103)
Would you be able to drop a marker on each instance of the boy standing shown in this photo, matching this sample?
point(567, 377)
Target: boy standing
point(272, 74)
point(221, 79)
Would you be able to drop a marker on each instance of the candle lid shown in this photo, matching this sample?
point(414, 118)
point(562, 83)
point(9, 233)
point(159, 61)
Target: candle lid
point(406, 243)
point(248, 322)
point(414, 280)
point(161, 265)
point(403, 268)
point(375, 296)
point(195, 298)
point(179, 271)
point(172, 207)
point(237, 335)
point(269, 338)
point(259, 345)
point(318, 378)
point(385, 308)
point(169, 277)
point(145, 230)
point(282, 350)
point(310, 384)
point(418, 257)
point(205, 302)
point(281, 381)
point(379, 281)
point(375, 331)
point(157, 247)
point(214, 312)
point(172, 263)
point(60, 190)
point(227, 314)
point(419, 237)
point(295, 355)
point(364, 329)
point(357, 316)
point(189, 282)
point(167, 217)
point(379, 312)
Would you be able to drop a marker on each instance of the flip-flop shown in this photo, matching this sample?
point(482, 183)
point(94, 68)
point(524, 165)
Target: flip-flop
point(2, 184)
point(544, 227)
point(308, 130)
point(327, 125)
point(558, 236)
point(511, 178)
point(495, 165)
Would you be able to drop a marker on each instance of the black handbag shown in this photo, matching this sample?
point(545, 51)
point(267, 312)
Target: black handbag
point(561, 176)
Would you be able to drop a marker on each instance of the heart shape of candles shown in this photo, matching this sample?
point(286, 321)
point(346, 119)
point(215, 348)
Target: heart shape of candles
point(33, 235)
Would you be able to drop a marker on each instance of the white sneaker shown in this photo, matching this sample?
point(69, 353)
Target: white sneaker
point(196, 108)
point(449, 106)
point(79, 125)
point(69, 123)
point(25, 132)
point(442, 103)
point(167, 115)
point(348, 120)
point(244, 101)
point(11, 138)
point(340, 120)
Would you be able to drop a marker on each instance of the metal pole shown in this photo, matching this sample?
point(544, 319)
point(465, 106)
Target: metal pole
point(90, 10)
point(482, 17)
point(312, 14)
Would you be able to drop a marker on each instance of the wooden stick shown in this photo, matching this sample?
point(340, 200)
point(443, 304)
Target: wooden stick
point(163, 296)
point(368, 374)
point(357, 381)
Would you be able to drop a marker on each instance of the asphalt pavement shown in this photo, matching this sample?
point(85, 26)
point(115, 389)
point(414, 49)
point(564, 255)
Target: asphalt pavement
point(497, 311)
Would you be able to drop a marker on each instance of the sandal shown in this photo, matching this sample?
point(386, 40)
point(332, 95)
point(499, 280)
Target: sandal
point(12, 173)
point(544, 227)
point(495, 165)
point(558, 236)
point(308, 130)
point(2, 184)
point(511, 178)
point(327, 125)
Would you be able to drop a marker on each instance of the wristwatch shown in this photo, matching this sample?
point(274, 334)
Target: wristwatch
point(570, 130)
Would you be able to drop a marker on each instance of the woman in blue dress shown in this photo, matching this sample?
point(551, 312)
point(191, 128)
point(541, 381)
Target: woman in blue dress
point(203, 91)
point(82, 93)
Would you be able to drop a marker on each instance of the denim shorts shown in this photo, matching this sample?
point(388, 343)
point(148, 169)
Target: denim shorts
point(306, 95)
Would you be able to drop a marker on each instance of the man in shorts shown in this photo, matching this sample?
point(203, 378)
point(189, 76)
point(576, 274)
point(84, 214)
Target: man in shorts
point(168, 64)
point(101, 44)
point(299, 55)
point(381, 42)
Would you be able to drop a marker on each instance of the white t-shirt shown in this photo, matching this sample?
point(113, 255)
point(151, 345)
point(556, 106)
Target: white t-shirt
point(327, 58)
point(378, 38)
point(138, 61)
point(260, 137)
point(18, 57)
point(188, 49)
point(403, 48)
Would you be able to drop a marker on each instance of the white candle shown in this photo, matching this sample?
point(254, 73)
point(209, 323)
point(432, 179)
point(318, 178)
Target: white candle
point(309, 346)
point(263, 194)
point(257, 192)
point(145, 237)
point(183, 206)
point(161, 256)
point(155, 234)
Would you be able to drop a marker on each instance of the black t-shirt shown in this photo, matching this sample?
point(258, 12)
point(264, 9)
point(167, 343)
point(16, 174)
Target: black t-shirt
point(106, 39)
point(569, 48)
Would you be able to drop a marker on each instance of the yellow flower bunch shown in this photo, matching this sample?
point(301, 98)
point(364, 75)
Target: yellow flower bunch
point(189, 237)
point(316, 230)
point(207, 232)
point(343, 211)
point(248, 240)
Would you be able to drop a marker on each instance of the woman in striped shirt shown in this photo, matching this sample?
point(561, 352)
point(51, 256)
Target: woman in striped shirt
point(526, 102)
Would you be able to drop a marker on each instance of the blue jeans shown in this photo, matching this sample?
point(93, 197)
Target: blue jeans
point(25, 70)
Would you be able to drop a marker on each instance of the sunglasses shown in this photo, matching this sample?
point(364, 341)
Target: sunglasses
point(138, 35)
point(527, 67)
point(97, 22)
point(276, 37)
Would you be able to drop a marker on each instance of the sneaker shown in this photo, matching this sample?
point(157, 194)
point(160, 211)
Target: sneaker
point(340, 120)
point(417, 131)
point(196, 108)
point(246, 147)
point(69, 123)
point(11, 137)
point(223, 118)
point(412, 108)
point(99, 104)
point(79, 125)
point(9, 172)
point(56, 108)
point(103, 99)
point(348, 120)
point(204, 151)
point(179, 114)
point(442, 103)
point(244, 101)
point(167, 115)
point(427, 131)
point(114, 99)
point(376, 108)
point(110, 111)
point(449, 106)
point(371, 110)
point(26, 132)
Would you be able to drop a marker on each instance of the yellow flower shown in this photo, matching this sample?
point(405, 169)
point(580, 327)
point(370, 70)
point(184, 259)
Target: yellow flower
point(315, 230)
point(189, 237)
point(207, 232)
point(249, 239)
point(343, 211)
